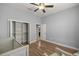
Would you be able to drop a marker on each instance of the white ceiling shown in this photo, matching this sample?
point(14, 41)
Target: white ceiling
point(30, 8)
point(57, 8)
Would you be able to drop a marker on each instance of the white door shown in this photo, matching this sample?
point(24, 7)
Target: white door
point(43, 31)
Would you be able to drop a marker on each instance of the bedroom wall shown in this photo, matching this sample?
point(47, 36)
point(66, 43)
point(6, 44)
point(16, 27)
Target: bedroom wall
point(63, 27)
point(11, 11)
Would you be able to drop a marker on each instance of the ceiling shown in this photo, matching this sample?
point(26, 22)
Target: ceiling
point(30, 8)
point(57, 8)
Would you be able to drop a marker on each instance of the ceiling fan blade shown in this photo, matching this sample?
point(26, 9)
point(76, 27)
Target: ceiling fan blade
point(44, 10)
point(34, 4)
point(49, 6)
point(36, 9)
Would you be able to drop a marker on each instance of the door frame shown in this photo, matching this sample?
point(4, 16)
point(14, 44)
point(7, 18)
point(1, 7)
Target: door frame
point(37, 34)
point(11, 29)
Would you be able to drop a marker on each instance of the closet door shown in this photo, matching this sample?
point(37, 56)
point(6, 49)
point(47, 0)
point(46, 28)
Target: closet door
point(18, 31)
point(25, 33)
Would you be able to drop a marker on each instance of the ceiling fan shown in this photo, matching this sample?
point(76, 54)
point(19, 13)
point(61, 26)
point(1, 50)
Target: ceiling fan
point(42, 6)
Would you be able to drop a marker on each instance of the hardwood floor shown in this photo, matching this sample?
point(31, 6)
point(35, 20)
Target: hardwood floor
point(47, 47)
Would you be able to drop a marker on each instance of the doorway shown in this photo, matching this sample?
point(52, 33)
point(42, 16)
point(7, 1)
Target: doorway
point(38, 32)
point(41, 31)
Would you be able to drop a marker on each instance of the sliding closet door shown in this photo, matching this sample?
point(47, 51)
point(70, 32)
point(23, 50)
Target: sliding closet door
point(25, 33)
point(18, 31)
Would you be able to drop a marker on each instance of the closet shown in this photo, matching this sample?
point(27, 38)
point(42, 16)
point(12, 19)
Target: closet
point(20, 32)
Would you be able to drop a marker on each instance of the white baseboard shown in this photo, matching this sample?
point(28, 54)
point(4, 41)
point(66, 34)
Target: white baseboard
point(33, 41)
point(57, 44)
point(62, 45)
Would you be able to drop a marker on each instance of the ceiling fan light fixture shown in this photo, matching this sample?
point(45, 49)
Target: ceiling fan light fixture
point(41, 7)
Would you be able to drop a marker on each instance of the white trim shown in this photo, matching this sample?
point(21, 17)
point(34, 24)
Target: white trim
point(27, 50)
point(33, 41)
point(57, 44)
point(62, 44)
point(65, 52)
point(18, 20)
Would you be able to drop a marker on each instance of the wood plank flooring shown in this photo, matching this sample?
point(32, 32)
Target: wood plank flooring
point(47, 47)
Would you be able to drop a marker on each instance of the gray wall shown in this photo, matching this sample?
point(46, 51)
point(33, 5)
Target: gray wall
point(63, 27)
point(12, 11)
